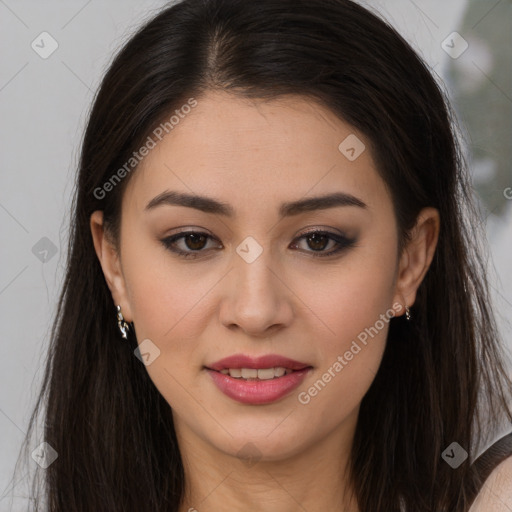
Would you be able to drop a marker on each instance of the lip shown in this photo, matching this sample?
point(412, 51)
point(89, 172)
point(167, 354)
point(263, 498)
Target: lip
point(266, 361)
point(257, 392)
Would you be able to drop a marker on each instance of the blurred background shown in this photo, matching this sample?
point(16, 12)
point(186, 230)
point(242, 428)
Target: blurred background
point(54, 54)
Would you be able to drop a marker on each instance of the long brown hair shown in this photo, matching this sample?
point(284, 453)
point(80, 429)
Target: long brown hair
point(110, 426)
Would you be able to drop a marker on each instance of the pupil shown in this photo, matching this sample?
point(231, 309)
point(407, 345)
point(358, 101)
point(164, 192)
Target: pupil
point(195, 237)
point(316, 237)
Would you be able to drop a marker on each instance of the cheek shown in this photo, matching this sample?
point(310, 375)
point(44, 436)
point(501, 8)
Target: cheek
point(169, 300)
point(354, 308)
point(168, 305)
point(351, 296)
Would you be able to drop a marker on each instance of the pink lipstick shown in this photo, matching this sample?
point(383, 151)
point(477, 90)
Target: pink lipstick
point(260, 380)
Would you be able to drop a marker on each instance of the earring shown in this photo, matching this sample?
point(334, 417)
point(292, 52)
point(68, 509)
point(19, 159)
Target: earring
point(121, 323)
point(407, 313)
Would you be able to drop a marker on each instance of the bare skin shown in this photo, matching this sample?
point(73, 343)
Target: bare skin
point(255, 156)
point(496, 493)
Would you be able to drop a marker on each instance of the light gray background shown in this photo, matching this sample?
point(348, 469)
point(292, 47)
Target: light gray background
point(43, 107)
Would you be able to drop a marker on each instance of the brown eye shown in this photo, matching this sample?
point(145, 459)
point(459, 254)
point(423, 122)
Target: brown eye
point(318, 241)
point(193, 242)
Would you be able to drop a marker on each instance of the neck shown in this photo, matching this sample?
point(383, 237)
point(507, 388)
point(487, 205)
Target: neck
point(313, 479)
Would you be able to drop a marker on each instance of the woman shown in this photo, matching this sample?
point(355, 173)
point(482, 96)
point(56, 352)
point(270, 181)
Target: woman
point(274, 299)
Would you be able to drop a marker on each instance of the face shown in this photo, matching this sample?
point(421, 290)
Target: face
point(315, 284)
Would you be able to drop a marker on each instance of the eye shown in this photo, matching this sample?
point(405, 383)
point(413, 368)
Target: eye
point(195, 241)
point(318, 240)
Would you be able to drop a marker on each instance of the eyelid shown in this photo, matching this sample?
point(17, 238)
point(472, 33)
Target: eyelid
point(343, 242)
point(174, 238)
point(321, 229)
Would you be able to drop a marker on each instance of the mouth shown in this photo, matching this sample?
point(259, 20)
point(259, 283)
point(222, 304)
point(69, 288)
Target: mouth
point(257, 373)
point(259, 380)
point(267, 367)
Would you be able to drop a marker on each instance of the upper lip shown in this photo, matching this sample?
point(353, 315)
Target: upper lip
point(266, 361)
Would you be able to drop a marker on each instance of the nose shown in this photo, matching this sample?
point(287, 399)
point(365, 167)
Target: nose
point(257, 300)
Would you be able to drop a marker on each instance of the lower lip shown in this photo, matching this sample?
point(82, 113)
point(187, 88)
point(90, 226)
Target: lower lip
point(258, 391)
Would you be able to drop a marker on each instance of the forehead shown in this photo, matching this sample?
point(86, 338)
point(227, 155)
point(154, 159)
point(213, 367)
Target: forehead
point(242, 150)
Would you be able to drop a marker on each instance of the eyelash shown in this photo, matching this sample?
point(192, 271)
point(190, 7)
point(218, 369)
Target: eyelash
point(343, 243)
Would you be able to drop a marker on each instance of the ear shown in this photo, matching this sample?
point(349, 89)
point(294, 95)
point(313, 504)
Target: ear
point(110, 263)
point(417, 256)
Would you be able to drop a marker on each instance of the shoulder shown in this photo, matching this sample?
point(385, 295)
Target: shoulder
point(496, 493)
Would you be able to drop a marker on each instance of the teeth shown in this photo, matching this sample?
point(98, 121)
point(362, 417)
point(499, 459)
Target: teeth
point(266, 374)
point(249, 373)
point(253, 373)
point(280, 371)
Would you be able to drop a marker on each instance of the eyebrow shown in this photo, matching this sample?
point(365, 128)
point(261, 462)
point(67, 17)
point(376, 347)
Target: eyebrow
point(287, 209)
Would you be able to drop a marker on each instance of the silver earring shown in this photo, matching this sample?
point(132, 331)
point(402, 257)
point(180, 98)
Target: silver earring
point(407, 313)
point(121, 323)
